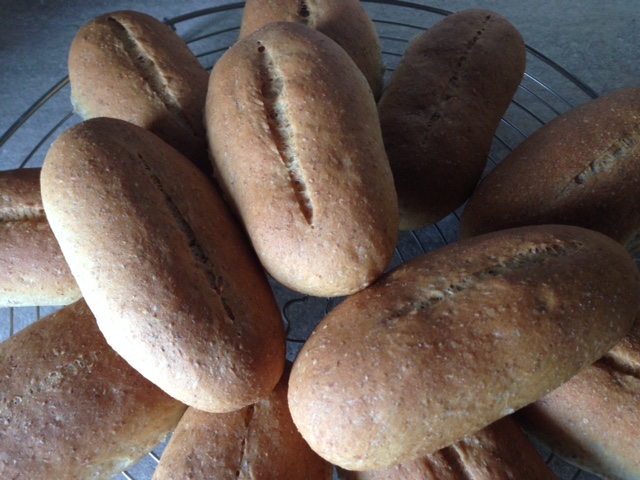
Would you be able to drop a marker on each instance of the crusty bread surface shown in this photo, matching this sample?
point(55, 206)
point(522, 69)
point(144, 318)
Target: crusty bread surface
point(344, 21)
point(130, 65)
point(257, 442)
point(449, 342)
point(582, 168)
point(164, 266)
point(593, 420)
point(500, 451)
point(34, 271)
point(70, 407)
point(442, 107)
point(296, 145)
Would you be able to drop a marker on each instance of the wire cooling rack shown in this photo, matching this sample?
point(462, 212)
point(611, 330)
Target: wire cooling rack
point(547, 90)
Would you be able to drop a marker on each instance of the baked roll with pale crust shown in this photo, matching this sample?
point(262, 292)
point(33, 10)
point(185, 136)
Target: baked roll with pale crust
point(442, 107)
point(344, 21)
point(71, 407)
point(451, 341)
point(500, 451)
point(296, 145)
point(163, 264)
point(131, 66)
point(34, 271)
point(259, 441)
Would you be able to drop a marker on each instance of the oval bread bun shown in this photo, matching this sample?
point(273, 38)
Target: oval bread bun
point(449, 342)
point(131, 66)
point(297, 149)
point(344, 21)
point(71, 407)
point(163, 264)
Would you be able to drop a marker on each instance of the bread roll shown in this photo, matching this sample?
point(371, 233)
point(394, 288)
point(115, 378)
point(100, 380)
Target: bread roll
point(297, 148)
point(451, 341)
point(442, 107)
point(70, 407)
point(497, 452)
point(593, 420)
point(163, 265)
point(131, 66)
point(259, 441)
point(34, 272)
point(582, 168)
point(344, 21)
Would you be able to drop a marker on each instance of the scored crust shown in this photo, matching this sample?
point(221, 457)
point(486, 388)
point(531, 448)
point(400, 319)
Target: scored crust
point(131, 66)
point(317, 202)
point(164, 266)
point(344, 21)
point(579, 169)
point(71, 407)
point(258, 441)
point(453, 340)
point(34, 271)
point(500, 451)
point(442, 107)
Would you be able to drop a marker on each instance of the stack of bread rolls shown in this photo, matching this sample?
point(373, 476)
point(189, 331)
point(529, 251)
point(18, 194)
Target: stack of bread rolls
point(170, 206)
point(582, 168)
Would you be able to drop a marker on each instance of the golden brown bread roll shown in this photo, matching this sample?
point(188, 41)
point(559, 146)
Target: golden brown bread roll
point(579, 169)
point(259, 441)
point(442, 107)
point(70, 407)
point(497, 452)
point(164, 266)
point(34, 271)
point(344, 21)
point(593, 420)
point(451, 341)
point(296, 144)
point(131, 66)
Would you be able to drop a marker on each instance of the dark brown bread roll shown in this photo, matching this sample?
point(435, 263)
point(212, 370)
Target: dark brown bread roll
point(593, 420)
point(344, 21)
point(442, 107)
point(259, 441)
point(131, 66)
point(449, 342)
point(163, 264)
point(582, 168)
point(34, 271)
point(70, 407)
point(497, 452)
point(296, 145)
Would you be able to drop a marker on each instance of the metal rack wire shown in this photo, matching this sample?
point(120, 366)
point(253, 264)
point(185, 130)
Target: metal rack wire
point(547, 91)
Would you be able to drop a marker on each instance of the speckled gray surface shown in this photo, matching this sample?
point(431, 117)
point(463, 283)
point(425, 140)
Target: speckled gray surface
point(597, 41)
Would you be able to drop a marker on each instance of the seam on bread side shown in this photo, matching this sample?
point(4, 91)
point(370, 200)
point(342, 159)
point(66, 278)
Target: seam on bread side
point(525, 259)
point(248, 416)
point(150, 73)
point(619, 151)
point(18, 214)
point(216, 282)
point(272, 85)
point(621, 364)
point(454, 460)
point(452, 83)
